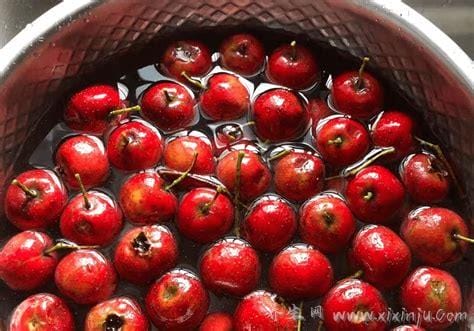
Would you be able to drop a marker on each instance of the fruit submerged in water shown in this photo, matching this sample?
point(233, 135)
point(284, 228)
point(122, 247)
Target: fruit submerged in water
point(375, 195)
point(252, 313)
point(205, 215)
point(145, 253)
point(357, 93)
point(298, 176)
point(279, 115)
point(230, 267)
point(190, 56)
point(121, 313)
point(89, 109)
point(168, 105)
point(300, 272)
point(42, 312)
point(270, 224)
point(242, 53)
point(86, 277)
point(176, 292)
point(435, 235)
point(431, 291)
point(84, 155)
point(293, 66)
point(358, 301)
point(381, 255)
point(35, 199)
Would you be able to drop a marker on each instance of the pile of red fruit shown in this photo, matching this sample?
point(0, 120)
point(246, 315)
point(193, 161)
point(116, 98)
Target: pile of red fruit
point(337, 193)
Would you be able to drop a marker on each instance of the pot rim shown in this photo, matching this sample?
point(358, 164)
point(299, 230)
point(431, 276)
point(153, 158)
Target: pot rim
point(406, 19)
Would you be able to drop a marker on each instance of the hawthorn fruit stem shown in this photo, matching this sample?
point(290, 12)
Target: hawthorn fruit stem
point(66, 244)
point(207, 206)
point(357, 274)
point(238, 175)
point(383, 151)
point(368, 196)
point(202, 179)
point(183, 175)
point(354, 169)
point(195, 82)
point(337, 141)
point(31, 193)
point(248, 123)
point(279, 155)
point(132, 109)
point(169, 98)
point(458, 236)
point(300, 316)
point(440, 154)
point(293, 50)
point(359, 82)
point(87, 203)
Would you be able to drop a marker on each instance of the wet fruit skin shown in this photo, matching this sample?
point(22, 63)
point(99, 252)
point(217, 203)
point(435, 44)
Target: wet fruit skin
point(292, 66)
point(230, 267)
point(42, 211)
point(97, 225)
point(177, 301)
point(134, 145)
point(203, 220)
point(431, 290)
point(217, 322)
point(361, 103)
point(300, 272)
point(86, 277)
point(425, 179)
point(190, 56)
point(326, 223)
point(168, 105)
point(84, 155)
point(179, 154)
point(224, 98)
point(242, 53)
point(23, 264)
point(298, 176)
point(356, 297)
point(318, 109)
point(145, 253)
point(342, 141)
point(429, 234)
point(381, 255)
point(144, 200)
point(123, 313)
point(270, 224)
point(42, 312)
point(255, 176)
point(279, 115)
point(396, 129)
point(229, 133)
point(252, 313)
point(375, 195)
point(88, 109)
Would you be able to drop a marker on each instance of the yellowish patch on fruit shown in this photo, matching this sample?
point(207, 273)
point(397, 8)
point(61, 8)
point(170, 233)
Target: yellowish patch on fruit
point(137, 196)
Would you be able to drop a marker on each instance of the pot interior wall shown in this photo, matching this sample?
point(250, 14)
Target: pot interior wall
point(99, 40)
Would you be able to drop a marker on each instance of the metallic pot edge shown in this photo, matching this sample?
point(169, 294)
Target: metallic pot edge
point(394, 12)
